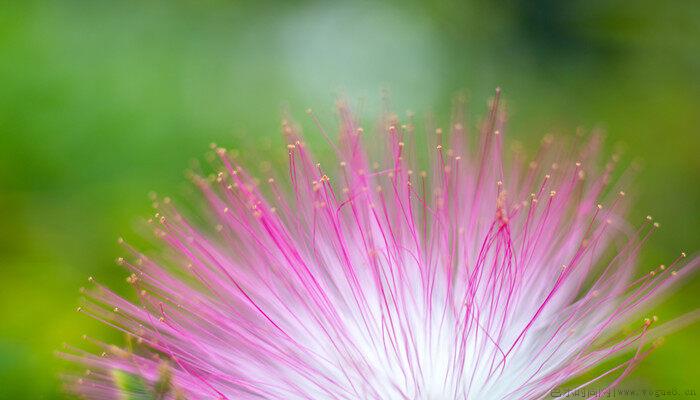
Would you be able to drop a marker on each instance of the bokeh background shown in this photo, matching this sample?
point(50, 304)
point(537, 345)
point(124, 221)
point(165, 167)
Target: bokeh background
point(103, 101)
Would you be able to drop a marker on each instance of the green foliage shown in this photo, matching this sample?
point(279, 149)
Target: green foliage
point(163, 385)
point(134, 387)
point(131, 386)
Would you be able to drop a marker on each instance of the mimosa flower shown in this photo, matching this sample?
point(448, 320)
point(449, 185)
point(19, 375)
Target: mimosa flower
point(473, 277)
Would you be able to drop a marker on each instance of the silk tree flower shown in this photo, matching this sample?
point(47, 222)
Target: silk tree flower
point(476, 278)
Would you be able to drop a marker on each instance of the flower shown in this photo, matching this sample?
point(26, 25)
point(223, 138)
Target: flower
point(477, 278)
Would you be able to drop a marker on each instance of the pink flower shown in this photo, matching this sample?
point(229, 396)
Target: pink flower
point(476, 278)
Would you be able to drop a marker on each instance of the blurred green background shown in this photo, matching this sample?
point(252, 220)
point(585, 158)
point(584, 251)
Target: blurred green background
point(102, 101)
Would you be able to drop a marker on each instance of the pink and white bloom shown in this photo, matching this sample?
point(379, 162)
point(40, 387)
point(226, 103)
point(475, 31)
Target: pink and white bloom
point(473, 277)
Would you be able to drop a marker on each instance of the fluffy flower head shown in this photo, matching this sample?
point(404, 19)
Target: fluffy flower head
point(376, 278)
